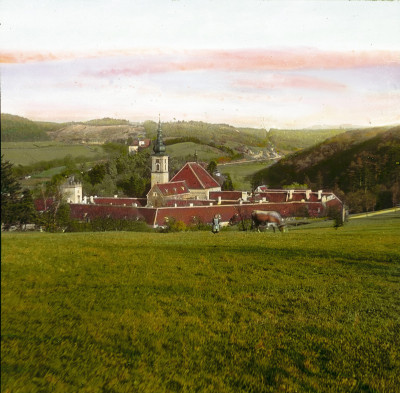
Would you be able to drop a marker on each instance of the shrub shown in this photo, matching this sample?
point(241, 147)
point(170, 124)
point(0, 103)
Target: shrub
point(103, 224)
point(173, 225)
point(336, 215)
point(198, 225)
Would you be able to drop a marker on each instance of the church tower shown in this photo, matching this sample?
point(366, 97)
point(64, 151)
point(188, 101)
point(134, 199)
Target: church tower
point(159, 160)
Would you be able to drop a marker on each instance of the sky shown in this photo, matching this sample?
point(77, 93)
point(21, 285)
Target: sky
point(256, 63)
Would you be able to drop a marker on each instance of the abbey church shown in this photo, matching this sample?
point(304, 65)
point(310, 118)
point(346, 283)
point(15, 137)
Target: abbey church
point(191, 182)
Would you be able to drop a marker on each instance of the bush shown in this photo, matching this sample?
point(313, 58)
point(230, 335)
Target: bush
point(198, 225)
point(336, 215)
point(173, 225)
point(103, 224)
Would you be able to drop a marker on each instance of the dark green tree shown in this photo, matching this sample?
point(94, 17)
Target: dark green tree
point(227, 185)
point(16, 209)
point(10, 190)
point(96, 174)
point(320, 180)
point(212, 167)
point(57, 213)
point(134, 186)
point(25, 212)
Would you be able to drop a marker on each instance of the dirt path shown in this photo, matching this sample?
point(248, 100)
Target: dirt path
point(369, 214)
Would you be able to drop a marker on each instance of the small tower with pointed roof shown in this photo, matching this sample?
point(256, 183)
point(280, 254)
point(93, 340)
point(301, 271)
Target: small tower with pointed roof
point(159, 160)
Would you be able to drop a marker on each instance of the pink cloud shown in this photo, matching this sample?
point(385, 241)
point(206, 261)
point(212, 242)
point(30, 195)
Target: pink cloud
point(252, 60)
point(289, 81)
point(150, 61)
point(17, 57)
point(36, 57)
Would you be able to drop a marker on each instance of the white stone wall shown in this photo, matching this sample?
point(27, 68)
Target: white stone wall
point(159, 170)
point(72, 192)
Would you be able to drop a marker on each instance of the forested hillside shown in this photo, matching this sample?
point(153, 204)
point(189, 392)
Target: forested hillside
point(20, 129)
point(361, 164)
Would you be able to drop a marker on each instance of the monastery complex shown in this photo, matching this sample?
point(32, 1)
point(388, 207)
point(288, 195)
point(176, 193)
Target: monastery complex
point(193, 195)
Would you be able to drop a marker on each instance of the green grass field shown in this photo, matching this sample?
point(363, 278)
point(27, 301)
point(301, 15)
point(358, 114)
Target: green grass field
point(311, 310)
point(25, 153)
point(241, 173)
point(49, 173)
point(204, 152)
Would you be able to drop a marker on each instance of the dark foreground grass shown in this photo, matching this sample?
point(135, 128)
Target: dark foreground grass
point(312, 310)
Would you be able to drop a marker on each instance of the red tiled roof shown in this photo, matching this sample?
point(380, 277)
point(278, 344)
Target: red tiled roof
point(81, 212)
point(298, 196)
point(206, 213)
point(196, 177)
point(141, 142)
point(284, 196)
point(187, 202)
point(120, 201)
point(173, 188)
point(271, 196)
point(226, 195)
point(157, 216)
point(42, 205)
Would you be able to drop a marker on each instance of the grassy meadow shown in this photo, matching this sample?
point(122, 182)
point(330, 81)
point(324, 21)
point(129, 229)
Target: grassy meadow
point(26, 153)
point(241, 173)
point(204, 152)
point(311, 310)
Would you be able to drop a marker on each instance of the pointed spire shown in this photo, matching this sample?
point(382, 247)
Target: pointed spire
point(159, 147)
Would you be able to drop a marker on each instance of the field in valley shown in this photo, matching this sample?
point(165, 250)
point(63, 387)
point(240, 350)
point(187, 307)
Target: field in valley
point(314, 309)
point(204, 152)
point(241, 173)
point(26, 153)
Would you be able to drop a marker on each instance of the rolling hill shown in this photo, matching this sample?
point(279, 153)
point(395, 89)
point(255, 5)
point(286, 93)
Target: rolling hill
point(366, 160)
point(20, 129)
point(287, 141)
point(239, 139)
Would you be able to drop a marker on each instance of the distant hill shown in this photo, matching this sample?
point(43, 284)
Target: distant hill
point(292, 140)
point(96, 131)
point(99, 134)
point(20, 129)
point(107, 121)
point(359, 160)
point(223, 134)
point(16, 128)
point(219, 134)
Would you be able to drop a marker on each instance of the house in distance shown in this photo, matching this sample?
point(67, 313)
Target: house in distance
point(138, 144)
